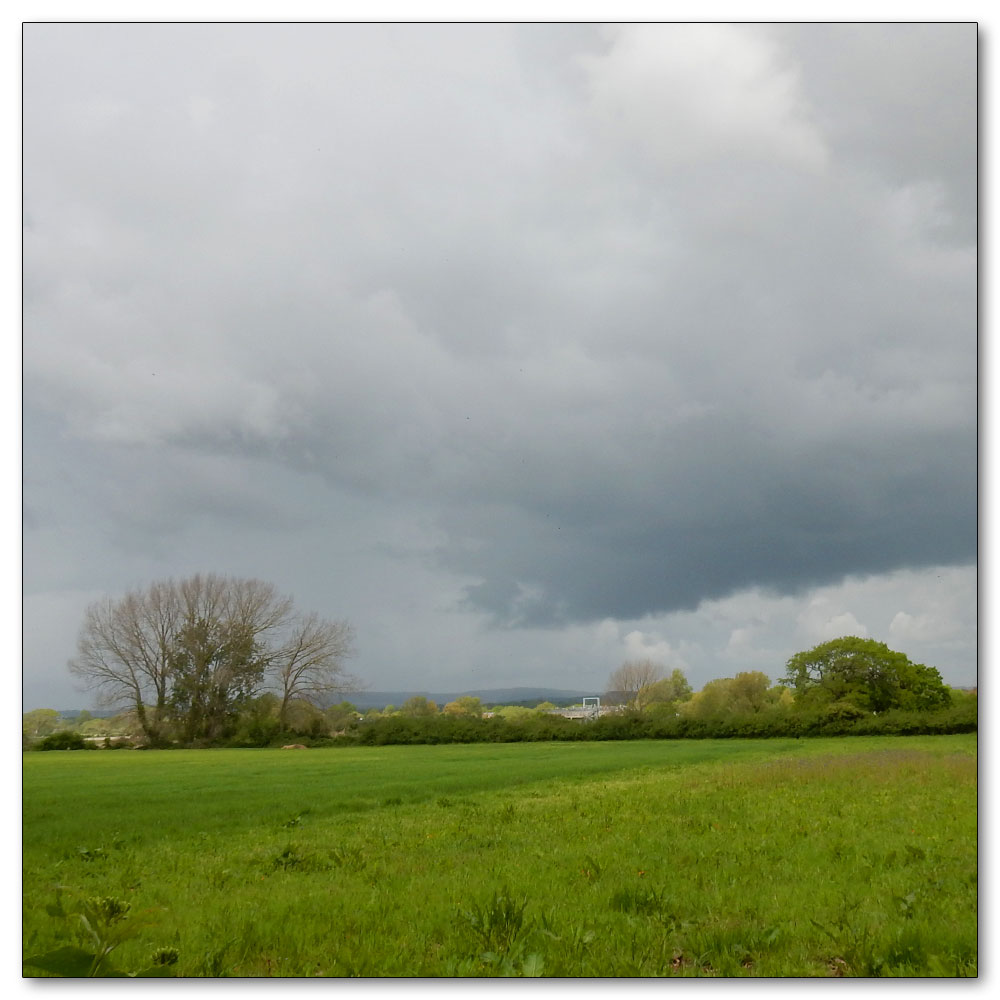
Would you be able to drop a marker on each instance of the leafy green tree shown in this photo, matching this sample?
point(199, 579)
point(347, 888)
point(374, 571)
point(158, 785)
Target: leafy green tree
point(748, 693)
point(466, 705)
point(667, 692)
point(340, 716)
point(418, 707)
point(258, 721)
point(920, 687)
point(865, 673)
point(515, 713)
point(303, 716)
point(713, 700)
point(40, 722)
point(962, 696)
point(780, 697)
point(216, 670)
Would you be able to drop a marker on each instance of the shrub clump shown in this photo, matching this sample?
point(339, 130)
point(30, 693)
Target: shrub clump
point(63, 740)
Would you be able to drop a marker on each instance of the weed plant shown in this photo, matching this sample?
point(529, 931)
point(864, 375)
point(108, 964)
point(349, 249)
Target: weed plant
point(822, 857)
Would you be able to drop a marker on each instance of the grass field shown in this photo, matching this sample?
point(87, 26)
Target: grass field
point(849, 856)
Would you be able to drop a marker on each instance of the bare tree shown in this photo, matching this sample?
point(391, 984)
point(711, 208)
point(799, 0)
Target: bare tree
point(632, 679)
point(194, 651)
point(124, 652)
point(310, 663)
point(255, 606)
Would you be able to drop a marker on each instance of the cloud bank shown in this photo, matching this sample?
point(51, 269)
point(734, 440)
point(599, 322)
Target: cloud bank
point(582, 323)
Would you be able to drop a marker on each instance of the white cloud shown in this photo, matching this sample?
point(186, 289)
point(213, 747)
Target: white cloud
point(742, 639)
point(607, 631)
point(929, 627)
point(692, 91)
point(641, 645)
point(844, 624)
point(757, 630)
point(823, 619)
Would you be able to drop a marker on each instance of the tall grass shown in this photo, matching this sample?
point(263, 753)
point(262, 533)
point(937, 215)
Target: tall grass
point(726, 858)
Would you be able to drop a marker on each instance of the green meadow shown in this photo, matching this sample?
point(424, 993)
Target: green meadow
point(816, 857)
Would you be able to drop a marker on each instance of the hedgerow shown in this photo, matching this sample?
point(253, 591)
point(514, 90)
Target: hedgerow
point(831, 720)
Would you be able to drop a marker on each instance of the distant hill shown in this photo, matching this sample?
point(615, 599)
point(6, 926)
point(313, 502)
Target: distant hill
point(488, 696)
point(379, 699)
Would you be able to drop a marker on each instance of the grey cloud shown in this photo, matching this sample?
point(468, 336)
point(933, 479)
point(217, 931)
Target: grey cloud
point(901, 103)
point(721, 522)
point(462, 269)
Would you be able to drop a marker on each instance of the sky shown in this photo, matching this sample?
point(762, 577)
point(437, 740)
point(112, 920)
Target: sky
point(526, 348)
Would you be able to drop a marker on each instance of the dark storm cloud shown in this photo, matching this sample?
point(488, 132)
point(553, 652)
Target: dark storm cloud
point(720, 522)
point(641, 316)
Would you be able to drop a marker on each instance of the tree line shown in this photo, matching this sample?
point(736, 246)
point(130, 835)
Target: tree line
point(848, 675)
point(214, 660)
point(849, 686)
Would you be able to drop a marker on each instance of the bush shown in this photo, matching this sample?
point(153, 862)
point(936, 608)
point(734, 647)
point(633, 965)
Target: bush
point(843, 711)
point(258, 733)
point(623, 726)
point(63, 740)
